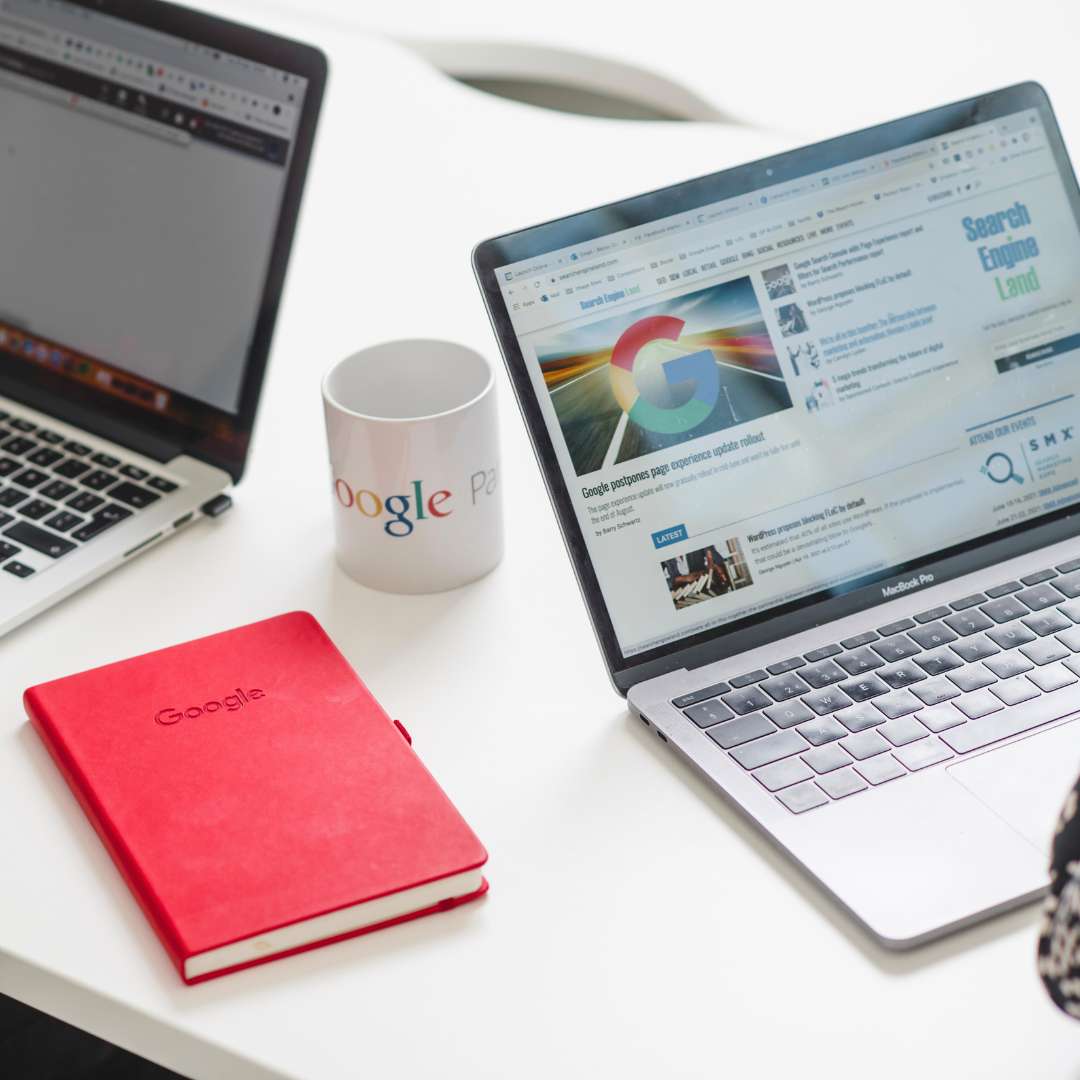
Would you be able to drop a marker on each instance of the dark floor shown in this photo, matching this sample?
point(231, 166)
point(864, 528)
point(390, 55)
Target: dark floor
point(34, 1046)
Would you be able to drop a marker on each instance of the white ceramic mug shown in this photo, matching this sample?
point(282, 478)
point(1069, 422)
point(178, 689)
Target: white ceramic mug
point(414, 465)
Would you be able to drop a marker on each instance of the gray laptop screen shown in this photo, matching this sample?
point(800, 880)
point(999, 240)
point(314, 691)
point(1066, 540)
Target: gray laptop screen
point(142, 179)
point(796, 388)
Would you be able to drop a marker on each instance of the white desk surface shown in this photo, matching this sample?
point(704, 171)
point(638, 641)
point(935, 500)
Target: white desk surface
point(635, 926)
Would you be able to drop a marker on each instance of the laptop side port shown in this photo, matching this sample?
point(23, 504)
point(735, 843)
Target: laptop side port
point(180, 522)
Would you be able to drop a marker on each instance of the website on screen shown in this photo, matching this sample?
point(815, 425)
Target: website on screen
point(805, 385)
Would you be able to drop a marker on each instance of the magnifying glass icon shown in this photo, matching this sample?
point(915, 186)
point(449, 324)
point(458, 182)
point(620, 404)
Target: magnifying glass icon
point(999, 467)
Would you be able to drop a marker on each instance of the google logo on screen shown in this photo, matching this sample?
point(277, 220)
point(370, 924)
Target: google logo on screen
point(659, 386)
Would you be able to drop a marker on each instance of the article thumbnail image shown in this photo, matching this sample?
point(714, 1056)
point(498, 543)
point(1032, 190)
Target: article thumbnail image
point(655, 377)
point(792, 320)
point(706, 573)
point(778, 282)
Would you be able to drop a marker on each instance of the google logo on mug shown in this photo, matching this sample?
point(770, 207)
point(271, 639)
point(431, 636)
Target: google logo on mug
point(396, 507)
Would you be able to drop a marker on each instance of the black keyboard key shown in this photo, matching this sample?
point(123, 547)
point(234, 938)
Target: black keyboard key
point(968, 601)
point(709, 712)
point(780, 668)
point(8, 466)
point(932, 635)
point(84, 502)
point(821, 730)
point(1009, 664)
point(106, 461)
point(1004, 590)
point(5, 518)
point(680, 702)
point(760, 752)
point(975, 648)
point(71, 468)
point(30, 478)
point(939, 661)
point(105, 518)
point(57, 490)
point(1069, 586)
point(19, 445)
point(865, 688)
point(1004, 610)
point(36, 509)
point(133, 472)
point(50, 437)
point(1039, 597)
point(99, 480)
point(22, 532)
point(12, 496)
point(1046, 622)
point(1068, 567)
point(935, 691)
point(969, 622)
point(823, 674)
point(1008, 637)
point(21, 424)
point(63, 522)
point(77, 448)
point(18, 569)
point(860, 717)
point(900, 675)
point(828, 700)
point(932, 614)
point(859, 639)
point(7, 550)
point(784, 687)
point(1045, 651)
point(159, 483)
point(895, 648)
point(902, 703)
point(748, 678)
point(972, 677)
point(45, 456)
point(742, 729)
point(747, 701)
point(821, 654)
point(133, 495)
point(1039, 577)
point(788, 713)
point(859, 661)
point(897, 627)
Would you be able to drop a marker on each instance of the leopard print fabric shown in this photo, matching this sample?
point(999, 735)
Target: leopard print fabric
point(1059, 934)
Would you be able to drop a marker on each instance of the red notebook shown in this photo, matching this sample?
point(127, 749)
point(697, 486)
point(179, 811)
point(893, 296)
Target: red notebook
point(255, 796)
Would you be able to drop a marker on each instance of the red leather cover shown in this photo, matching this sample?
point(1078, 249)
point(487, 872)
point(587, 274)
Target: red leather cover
point(248, 780)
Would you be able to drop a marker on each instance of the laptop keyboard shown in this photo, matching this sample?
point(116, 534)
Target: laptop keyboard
point(57, 494)
point(877, 707)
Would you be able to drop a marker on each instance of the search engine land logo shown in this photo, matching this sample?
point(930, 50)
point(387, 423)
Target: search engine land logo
point(659, 386)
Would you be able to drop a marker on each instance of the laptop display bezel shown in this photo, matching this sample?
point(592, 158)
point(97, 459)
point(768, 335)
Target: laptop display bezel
point(824, 606)
point(218, 437)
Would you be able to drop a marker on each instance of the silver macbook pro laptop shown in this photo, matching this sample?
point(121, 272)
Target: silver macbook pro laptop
point(810, 428)
point(153, 161)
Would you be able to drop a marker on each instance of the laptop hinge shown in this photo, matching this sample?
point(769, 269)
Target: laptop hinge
point(81, 416)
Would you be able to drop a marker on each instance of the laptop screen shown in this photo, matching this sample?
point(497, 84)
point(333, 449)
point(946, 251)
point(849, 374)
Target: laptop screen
point(814, 383)
point(142, 182)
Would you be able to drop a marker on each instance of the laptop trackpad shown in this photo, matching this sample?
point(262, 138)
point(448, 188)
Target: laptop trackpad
point(1026, 783)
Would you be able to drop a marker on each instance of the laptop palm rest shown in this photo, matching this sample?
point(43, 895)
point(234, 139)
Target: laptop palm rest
point(1026, 783)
